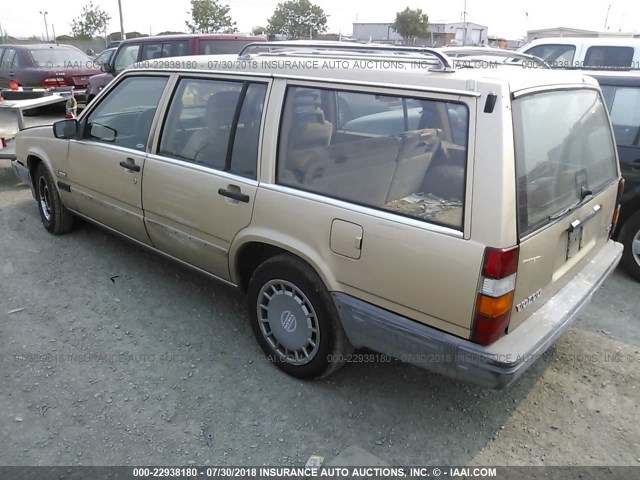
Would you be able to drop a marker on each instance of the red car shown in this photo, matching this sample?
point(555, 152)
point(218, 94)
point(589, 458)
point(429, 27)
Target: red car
point(46, 65)
point(161, 46)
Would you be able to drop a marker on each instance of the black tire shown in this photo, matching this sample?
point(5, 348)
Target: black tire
point(629, 233)
point(55, 217)
point(306, 294)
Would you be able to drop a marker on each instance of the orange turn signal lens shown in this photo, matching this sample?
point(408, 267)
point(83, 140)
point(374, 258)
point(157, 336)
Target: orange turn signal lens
point(494, 307)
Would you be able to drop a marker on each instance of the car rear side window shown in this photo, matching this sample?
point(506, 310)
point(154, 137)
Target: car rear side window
point(564, 151)
point(609, 57)
point(395, 153)
point(206, 116)
point(217, 47)
point(151, 51)
point(624, 108)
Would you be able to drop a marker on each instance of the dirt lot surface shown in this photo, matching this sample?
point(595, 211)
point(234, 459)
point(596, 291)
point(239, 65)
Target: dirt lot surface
point(111, 355)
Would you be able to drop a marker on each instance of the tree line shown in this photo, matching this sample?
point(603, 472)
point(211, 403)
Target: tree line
point(294, 19)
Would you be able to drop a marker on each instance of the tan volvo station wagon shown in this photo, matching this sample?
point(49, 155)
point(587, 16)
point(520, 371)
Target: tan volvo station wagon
point(361, 196)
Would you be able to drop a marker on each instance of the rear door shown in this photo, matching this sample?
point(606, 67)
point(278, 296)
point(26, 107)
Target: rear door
point(200, 186)
point(567, 180)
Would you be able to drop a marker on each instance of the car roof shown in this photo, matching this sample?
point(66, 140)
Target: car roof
point(187, 36)
point(599, 41)
point(41, 46)
point(624, 78)
point(379, 71)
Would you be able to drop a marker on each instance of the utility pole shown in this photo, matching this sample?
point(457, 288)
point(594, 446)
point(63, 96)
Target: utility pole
point(46, 27)
point(53, 27)
point(606, 20)
point(464, 19)
point(121, 21)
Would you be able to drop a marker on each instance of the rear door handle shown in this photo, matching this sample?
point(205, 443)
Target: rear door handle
point(129, 165)
point(239, 196)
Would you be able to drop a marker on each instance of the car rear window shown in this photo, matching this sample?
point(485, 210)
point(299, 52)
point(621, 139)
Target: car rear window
point(59, 57)
point(609, 57)
point(564, 150)
point(624, 108)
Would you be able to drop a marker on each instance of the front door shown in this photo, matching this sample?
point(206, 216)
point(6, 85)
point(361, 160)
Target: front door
point(106, 165)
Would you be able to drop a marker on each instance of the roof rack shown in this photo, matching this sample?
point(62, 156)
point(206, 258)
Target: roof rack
point(317, 48)
point(471, 53)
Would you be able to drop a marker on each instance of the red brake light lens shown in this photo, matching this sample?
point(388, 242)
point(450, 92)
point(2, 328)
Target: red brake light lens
point(54, 82)
point(500, 262)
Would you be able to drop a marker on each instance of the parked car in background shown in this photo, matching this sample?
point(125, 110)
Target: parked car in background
point(46, 65)
point(621, 92)
point(104, 57)
point(577, 52)
point(162, 46)
point(457, 219)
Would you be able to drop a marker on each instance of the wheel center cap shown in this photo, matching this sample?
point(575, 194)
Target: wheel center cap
point(287, 318)
point(288, 321)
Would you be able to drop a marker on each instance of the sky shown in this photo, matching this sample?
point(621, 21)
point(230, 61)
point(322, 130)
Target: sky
point(509, 19)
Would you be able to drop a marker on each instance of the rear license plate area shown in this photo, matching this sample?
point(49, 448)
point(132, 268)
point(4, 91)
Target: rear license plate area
point(574, 241)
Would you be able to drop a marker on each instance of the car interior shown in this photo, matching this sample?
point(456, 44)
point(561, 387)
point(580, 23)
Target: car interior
point(402, 158)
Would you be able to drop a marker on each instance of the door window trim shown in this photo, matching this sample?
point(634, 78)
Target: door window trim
point(86, 113)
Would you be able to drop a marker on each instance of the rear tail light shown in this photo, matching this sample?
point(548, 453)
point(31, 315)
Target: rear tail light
point(54, 82)
point(616, 212)
point(13, 85)
point(3, 142)
point(495, 294)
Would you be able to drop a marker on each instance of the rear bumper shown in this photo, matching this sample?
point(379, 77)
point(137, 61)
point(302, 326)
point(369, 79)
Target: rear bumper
point(494, 366)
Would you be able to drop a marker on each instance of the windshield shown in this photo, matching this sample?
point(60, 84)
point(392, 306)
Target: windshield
point(58, 57)
point(564, 152)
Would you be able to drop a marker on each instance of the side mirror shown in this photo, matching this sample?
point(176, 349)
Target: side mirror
point(102, 132)
point(106, 67)
point(66, 129)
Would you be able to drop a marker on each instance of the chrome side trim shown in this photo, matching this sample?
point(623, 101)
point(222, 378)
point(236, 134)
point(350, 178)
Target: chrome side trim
point(153, 249)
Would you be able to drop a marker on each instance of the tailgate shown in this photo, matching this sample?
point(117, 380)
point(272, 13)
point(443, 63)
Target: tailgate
point(567, 187)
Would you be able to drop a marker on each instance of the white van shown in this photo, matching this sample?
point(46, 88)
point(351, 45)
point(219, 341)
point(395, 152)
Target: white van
point(577, 52)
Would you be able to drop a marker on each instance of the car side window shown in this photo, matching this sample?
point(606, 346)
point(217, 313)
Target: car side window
point(554, 54)
point(624, 107)
point(396, 153)
point(175, 49)
point(151, 51)
point(126, 56)
point(206, 118)
point(124, 116)
point(609, 56)
point(9, 59)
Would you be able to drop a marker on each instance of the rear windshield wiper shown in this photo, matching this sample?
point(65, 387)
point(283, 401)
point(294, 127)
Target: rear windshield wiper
point(585, 196)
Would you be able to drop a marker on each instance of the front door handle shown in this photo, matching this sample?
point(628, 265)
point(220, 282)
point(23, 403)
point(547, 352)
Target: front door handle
point(239, 196)
point(129, 165)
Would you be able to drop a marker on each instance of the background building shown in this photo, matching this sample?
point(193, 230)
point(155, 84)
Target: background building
point(574, 32)
point(440, 34)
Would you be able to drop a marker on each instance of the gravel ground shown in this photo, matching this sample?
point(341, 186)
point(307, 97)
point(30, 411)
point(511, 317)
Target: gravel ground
point(114, 356)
